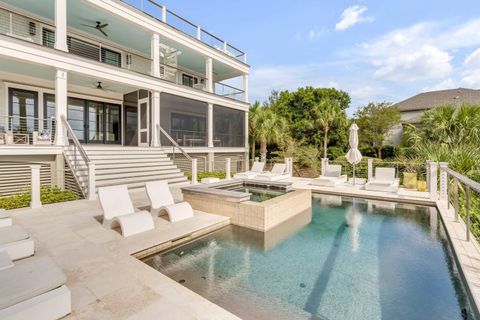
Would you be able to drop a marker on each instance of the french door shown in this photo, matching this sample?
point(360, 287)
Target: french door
point(143, 122)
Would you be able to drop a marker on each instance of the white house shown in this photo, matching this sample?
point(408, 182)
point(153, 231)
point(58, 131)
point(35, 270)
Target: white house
point(122, 93)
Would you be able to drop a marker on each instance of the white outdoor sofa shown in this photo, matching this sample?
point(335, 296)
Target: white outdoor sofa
point(16, 242)
point(34, 289)
point(5, 219)
point(276, 174)
point(257, 168)
point(118, 210)
point(332, 177)
point(384, 180)
point(161, 199)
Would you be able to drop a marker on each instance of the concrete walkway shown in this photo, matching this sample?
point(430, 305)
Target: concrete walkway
point(106, 281)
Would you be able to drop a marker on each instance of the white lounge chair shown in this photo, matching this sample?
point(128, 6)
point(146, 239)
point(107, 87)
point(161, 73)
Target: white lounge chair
point(34, 289)
point(118, 210)
point(332, 177)
point(161, 199)
point(277, 173)
point(16, 242)
point(384, 180)
point(5, 219)
point(256, 169)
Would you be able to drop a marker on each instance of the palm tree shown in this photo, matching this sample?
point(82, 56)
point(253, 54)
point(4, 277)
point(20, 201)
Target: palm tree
point(326, 112)
point(252, 124)
point(269, 128)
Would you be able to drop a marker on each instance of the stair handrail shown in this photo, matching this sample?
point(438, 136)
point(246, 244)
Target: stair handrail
point(175, 144)
point(90, 165)
point(74, 138)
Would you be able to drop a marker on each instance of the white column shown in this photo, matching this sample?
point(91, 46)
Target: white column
point(60, 106)
point(209, 74)
point(61, 25)
point(228, 162)
point(245, 88)
point(194, 171)
point(428, 174)
point(246, 131)
point(370, 169)
point(210, 125)
point(433, 181)
point(155, 55)
point(443, 181)
point(35, 185)
point(156, 119)
point(324, 165)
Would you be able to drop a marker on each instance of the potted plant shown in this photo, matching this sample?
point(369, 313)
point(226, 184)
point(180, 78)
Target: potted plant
point(410, 176)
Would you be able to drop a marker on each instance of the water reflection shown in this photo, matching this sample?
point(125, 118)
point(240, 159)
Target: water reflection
point(354, 220)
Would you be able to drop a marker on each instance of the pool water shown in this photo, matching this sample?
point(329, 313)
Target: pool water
point(259, 194)
point(351, 259)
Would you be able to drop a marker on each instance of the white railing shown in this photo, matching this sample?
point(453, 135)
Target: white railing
point(465, 194)
point(19, 130)
point(161, 13)
point(82, 167)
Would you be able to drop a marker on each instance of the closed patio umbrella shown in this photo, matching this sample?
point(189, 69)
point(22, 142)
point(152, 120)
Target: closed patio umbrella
point(353, 155)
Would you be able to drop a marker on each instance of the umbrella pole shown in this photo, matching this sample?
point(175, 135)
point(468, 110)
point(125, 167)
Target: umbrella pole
point(353, 174)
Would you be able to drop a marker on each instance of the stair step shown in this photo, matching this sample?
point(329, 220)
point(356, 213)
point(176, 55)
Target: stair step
point(125, 156)
point(145, 174)
point(128, 181)
point(128, 169)
point(132, 161)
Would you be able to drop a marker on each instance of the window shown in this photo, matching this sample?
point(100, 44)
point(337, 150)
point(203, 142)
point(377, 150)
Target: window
point(48, 38)
point(228, 127)
point(111, 57)
point(23, 107)
point(188, 80)
point(83, 48)
point(49, 106)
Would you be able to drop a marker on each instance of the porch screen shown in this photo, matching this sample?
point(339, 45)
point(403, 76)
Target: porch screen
point(228, 127)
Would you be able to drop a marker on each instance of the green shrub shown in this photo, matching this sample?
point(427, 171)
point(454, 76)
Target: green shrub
point(47, 195)
point(209, 174)
point(335, 152)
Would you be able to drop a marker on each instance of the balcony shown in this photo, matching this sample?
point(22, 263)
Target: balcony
point(162, 14)
point(80, 43)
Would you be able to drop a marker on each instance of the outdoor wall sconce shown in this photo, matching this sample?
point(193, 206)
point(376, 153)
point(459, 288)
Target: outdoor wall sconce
point(32, 28)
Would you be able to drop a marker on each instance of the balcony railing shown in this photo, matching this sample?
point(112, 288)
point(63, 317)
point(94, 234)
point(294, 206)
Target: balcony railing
point(42, 33)
point(19, 130)
point(161, 13)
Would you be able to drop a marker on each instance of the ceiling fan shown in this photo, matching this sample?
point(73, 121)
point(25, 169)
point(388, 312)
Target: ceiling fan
point(99, 26)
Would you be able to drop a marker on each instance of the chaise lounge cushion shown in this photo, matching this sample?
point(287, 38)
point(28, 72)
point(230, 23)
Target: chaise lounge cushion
point(28, 280)
point(12, 234)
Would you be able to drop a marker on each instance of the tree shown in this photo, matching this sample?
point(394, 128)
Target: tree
point(375, 120)
point(269, 128)
point(326, 112)
point(252, 124)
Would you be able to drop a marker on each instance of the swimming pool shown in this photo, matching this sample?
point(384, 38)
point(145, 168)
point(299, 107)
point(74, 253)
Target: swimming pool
point(259, 194)
point(348, 259)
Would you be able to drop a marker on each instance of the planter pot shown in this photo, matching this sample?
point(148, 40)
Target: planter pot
point(422, 186)
point(410, 180)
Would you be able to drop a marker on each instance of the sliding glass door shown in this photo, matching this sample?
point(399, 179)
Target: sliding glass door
point(23, 109)
point(95, 122)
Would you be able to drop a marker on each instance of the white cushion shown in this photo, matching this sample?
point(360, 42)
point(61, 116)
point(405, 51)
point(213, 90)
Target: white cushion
point(29, 279)
point(115, 201)
point(257, 167)
point(159, 194)
point(385, 174)
point(12, 234)
point(279, 168)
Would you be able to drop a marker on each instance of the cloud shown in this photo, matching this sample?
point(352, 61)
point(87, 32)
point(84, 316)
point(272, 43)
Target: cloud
point(351, 16)
point(473, 59)
point(443, 85)
point(317, 33)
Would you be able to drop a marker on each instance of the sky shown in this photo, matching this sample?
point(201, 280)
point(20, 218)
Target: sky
point(375, 50)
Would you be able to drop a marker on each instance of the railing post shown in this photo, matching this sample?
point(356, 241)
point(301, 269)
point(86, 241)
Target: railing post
point(427, 170)
point(467, 207)
point(228, 175)
point(91, 180)
point(194, 171)
point(433, 180)
point(443, 181)
point(369, 169)
point(324, 165)
point(289, 163)
point(455, 197)
point(35, 187)
point(199, 33)
point(164, 14)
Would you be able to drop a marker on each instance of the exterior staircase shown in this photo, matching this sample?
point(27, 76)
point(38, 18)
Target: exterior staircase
point(133, 166)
